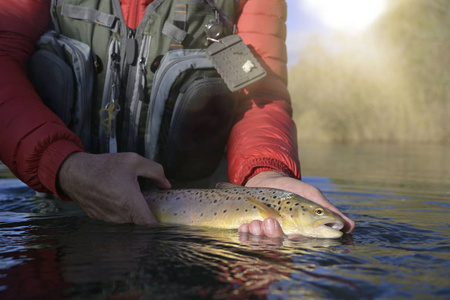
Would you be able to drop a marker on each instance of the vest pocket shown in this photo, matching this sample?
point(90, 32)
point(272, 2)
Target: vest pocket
point(58, 93)
point(199, 129)
point(53, 80)
point(189, 117)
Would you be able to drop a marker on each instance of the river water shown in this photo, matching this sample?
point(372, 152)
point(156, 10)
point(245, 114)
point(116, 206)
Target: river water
point(399, 197)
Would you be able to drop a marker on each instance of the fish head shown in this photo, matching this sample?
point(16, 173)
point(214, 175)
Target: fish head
point(306, 218)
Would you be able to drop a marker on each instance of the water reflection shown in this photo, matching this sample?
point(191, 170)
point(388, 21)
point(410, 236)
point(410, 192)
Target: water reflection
point(86, 258)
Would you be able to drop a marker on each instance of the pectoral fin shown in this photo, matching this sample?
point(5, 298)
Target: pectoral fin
point(265, 211)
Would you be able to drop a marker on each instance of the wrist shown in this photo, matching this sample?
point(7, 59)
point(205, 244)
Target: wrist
point(51, 161)
point(63, 175)
point(265, 178)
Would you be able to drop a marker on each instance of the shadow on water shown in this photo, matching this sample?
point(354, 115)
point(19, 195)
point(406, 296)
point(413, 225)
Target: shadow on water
point(400, 248)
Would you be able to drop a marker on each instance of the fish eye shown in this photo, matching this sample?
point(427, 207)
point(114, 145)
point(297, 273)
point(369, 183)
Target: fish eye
point(318, 211)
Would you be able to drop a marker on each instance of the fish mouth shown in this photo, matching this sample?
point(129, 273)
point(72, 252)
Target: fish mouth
point(336, 225)
point(329, 229)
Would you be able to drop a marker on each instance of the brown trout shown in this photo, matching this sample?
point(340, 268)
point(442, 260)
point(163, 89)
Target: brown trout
point(231, 206)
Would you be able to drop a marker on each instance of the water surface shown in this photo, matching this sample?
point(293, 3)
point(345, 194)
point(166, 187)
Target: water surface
point(398, 196)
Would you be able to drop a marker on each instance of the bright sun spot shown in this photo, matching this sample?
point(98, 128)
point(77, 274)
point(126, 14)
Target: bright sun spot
point(350, 16)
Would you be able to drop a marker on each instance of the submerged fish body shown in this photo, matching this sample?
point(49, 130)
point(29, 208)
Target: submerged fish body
point(230, 207)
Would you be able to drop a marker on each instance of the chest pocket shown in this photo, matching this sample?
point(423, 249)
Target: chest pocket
point(190, 115)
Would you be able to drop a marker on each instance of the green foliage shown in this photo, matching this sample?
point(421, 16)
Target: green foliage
point(390, 83)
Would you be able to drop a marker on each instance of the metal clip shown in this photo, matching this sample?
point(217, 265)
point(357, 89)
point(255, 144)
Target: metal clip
point(214, 29)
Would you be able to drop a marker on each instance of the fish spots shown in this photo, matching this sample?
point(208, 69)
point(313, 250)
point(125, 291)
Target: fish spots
point(224, 211)
point(215, 213)
point(201, 215)
point(237, 209)
point(215, 201)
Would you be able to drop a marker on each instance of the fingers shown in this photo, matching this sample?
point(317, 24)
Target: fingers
point(349, 224)
point(243, 228)
point(269, 227)
point(272, 228)
point(149, 169)
point(140, 214)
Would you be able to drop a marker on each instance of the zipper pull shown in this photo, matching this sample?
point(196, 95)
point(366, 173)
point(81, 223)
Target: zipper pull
point(131, 48)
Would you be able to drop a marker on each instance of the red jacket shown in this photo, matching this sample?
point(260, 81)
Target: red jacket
point(34, 142)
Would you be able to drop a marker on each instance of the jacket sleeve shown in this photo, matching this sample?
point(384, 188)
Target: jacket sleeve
point(264, 135)
point(33, 141)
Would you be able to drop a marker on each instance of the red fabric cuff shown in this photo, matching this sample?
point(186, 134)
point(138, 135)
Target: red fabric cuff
point(50, 162)
point(262, 165)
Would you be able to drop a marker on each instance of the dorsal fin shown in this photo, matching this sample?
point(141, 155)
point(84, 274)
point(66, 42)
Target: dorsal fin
point(264, 210)
point(227, 185)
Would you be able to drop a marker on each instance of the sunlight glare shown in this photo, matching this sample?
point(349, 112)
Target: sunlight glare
point(350, 16)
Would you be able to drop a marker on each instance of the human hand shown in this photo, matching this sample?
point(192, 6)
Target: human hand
point(273, 179)
point(268, 227)
point(106, 185)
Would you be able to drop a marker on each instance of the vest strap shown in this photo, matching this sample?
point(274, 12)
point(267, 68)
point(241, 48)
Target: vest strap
point(90, 15)
point(180, 16)
point(177, 30)
point(176, 34)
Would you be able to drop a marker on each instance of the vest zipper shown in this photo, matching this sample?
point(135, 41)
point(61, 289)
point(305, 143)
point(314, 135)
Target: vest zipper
point(139, 95)
point(110, 101)
point(131, 41)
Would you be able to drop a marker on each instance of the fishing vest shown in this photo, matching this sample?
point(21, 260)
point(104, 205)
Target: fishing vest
point(166, 90)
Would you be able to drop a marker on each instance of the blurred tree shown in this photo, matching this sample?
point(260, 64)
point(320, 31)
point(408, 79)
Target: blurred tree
point(390, 83)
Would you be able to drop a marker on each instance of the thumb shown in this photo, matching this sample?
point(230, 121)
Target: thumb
point(141, 213)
